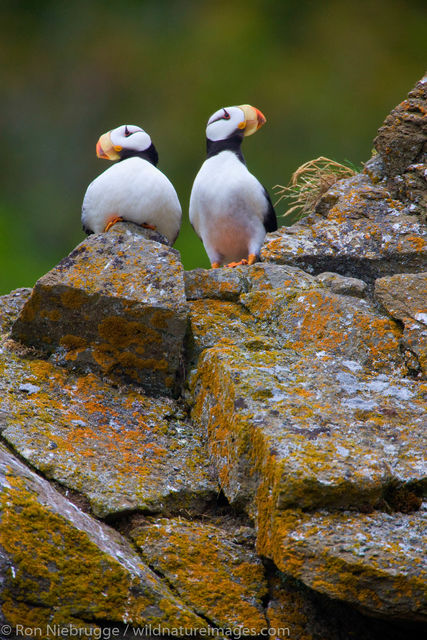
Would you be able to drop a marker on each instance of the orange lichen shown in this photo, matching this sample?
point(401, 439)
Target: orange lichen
point(416, 242)
point(121, 333)
point(211, 575)
point(56, 564)
point(73, 298)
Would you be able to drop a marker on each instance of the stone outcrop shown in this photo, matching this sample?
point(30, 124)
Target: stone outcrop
point(401, 145)
point(116, 305)
point(230, 448)
point(358, 230)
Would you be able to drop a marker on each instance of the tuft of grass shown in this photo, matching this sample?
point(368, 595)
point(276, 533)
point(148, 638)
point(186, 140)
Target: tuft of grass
point(308, 184)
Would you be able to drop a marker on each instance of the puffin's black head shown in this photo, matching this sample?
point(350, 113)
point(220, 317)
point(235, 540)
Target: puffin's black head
point(126, 141)
point(228, 126)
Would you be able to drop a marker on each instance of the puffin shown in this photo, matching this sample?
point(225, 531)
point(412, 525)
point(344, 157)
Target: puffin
point(133, 189)
point(230, 210)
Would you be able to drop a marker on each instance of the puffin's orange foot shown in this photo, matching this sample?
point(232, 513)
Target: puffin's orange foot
point(215, 265)
point(112, 221)
point(145, 225)
point(236, 264)
point(252, 258)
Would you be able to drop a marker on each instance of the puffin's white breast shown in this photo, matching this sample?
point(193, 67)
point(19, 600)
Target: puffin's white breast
point(135, 190)
point(227, 206)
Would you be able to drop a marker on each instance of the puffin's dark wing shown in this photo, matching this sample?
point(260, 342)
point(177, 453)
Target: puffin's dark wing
point(270, 220)
point(87, 231)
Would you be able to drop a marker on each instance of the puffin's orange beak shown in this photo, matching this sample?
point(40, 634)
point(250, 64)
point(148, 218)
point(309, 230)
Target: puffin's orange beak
point(253, 117)
point(106, 149)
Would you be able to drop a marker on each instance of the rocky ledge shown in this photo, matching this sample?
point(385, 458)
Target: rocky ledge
point(227, 449)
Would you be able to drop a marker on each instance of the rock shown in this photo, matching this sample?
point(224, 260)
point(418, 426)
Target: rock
point(362, 233)
point(223, 284)
point(221, 580)
point(313, 432)
point(301, 314)
point(401, 144)
point(119, 448)
point(405, 298)
point(303, 614)
point(214, 321)
point(10, 307)
point(343, 286)
point(318, 416)
point(116, 305)
point(65, 568)
point(370, 560)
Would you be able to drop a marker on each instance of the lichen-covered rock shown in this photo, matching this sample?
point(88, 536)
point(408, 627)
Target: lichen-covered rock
point(308, 317)
point(362, 233)
point(309, 432)
point(405, 298)
point(374, 561)
point(318, 416)
point(10, 307)
point(65, 568)
point(121, 449)
point(220, 580)
point(214, 321)
point(116, 305)
point(343, 286)
point(222, 284)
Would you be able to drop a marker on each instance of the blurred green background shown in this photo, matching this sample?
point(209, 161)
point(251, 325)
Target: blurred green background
point(324, 73)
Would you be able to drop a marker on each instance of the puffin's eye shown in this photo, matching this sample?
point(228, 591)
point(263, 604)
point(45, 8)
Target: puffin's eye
point(226, 115)
point(127, 132)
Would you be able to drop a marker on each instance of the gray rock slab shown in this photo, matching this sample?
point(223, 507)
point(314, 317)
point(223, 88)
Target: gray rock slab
point(375, 561)
point(223, 580)
point(121, 449)
point(343, 286)
point(311, 615)
point(223, 284)
point(302, 314)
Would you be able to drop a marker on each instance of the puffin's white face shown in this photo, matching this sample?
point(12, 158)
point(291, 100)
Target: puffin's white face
point(227, 121)
point(127, 137)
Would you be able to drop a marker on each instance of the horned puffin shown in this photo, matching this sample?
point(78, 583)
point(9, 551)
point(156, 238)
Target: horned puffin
point(229, 209)
point(133, 188)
